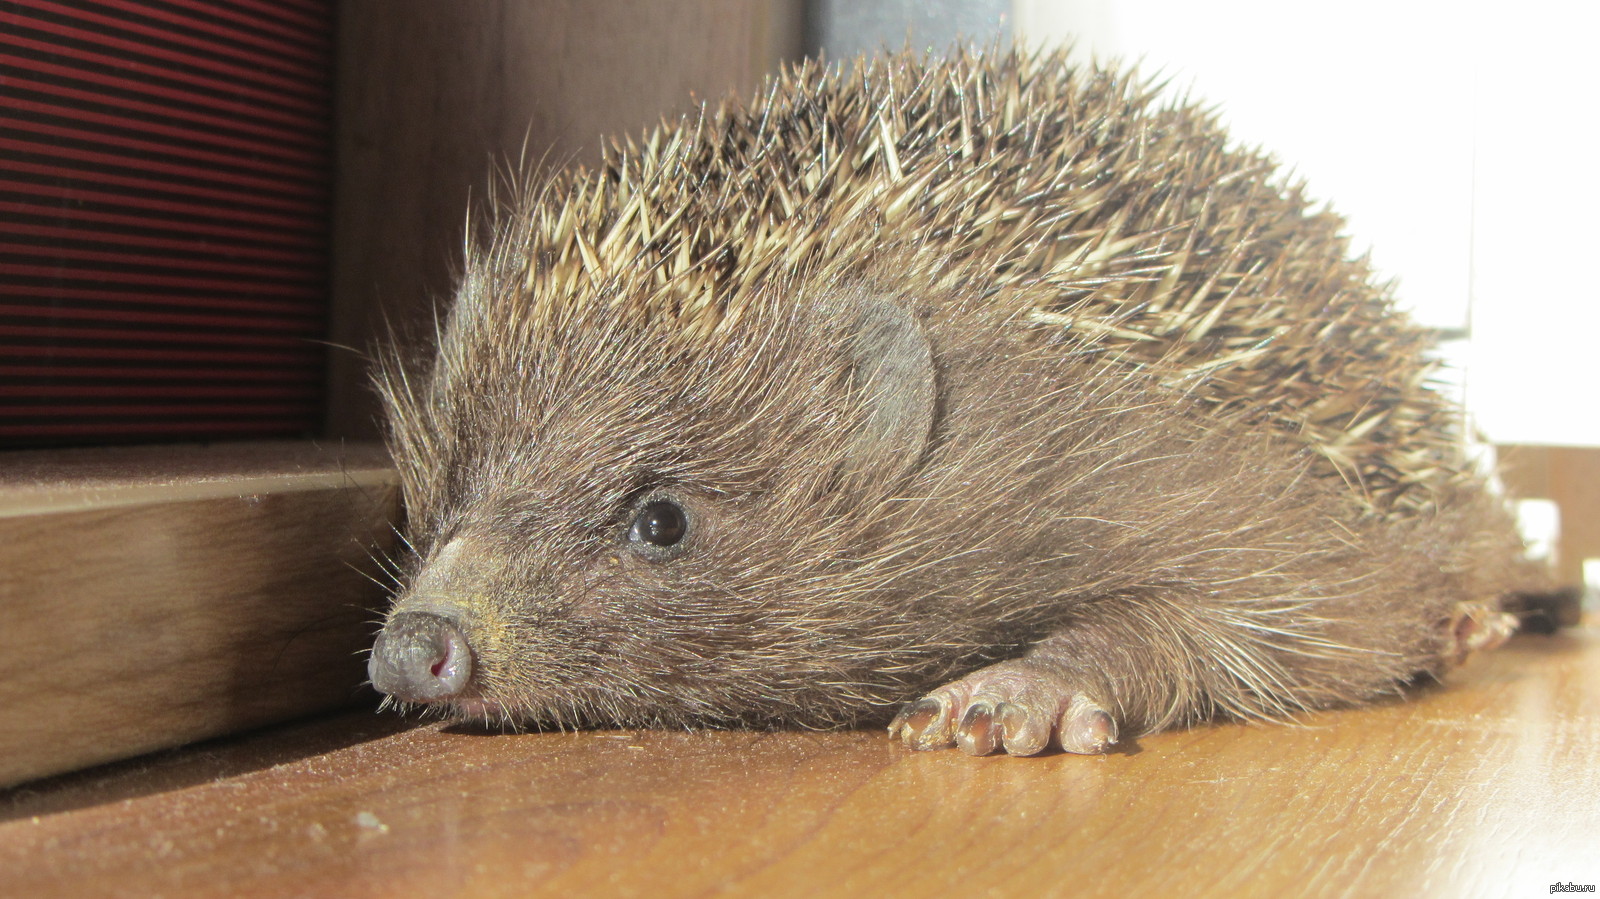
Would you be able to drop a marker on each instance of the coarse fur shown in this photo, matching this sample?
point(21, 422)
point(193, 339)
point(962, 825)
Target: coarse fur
point(947, 362)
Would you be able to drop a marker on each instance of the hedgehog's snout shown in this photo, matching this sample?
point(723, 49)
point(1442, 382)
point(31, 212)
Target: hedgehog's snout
point(420, 657)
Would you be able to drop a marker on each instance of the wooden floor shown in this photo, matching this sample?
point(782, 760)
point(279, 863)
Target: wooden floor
point(1489, 785)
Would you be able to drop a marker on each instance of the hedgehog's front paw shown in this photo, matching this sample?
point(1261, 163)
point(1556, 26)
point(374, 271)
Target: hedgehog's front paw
point(1023, 706)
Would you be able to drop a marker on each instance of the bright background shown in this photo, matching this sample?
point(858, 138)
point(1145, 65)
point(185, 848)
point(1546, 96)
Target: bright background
point(1459, 139)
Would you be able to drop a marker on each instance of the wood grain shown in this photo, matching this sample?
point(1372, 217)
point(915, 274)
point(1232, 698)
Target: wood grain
point(156, 596)
point(1485, 786)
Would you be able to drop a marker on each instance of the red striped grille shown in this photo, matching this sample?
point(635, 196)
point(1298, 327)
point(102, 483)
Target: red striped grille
point(164, 192)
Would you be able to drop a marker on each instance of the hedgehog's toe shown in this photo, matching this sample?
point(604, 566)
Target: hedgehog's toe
point(924, 724)
point(1086, 728)
point(1475, 627)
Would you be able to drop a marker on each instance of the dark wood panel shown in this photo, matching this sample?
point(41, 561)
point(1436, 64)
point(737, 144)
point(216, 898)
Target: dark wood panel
point(438, 100)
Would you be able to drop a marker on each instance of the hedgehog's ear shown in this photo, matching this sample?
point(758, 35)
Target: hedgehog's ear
point(891, 369)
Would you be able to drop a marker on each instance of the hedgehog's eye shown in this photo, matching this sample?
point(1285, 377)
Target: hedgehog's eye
point(659, 523)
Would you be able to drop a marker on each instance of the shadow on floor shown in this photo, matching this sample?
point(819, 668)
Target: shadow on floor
point(187, 766)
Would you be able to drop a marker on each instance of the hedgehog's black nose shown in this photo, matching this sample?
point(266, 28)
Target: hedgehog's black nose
point(420, 657)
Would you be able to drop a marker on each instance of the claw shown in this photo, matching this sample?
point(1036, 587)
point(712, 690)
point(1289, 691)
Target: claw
point(1025, 733)
point(977, 734)
point(1085, 728)
point(923, 725)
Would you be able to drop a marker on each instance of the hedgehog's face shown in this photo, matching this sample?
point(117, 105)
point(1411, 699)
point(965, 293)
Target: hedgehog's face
point(617, 524)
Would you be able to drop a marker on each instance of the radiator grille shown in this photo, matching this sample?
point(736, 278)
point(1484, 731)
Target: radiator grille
point(164, 194)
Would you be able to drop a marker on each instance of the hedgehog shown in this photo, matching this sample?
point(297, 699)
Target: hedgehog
point(993, 397)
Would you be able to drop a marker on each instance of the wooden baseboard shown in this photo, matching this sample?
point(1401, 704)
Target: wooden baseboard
point(154, 596)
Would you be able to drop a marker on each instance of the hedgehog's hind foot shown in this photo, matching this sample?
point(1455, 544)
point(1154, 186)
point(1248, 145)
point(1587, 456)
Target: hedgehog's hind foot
point(1023, 707)
point(1475, 627)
